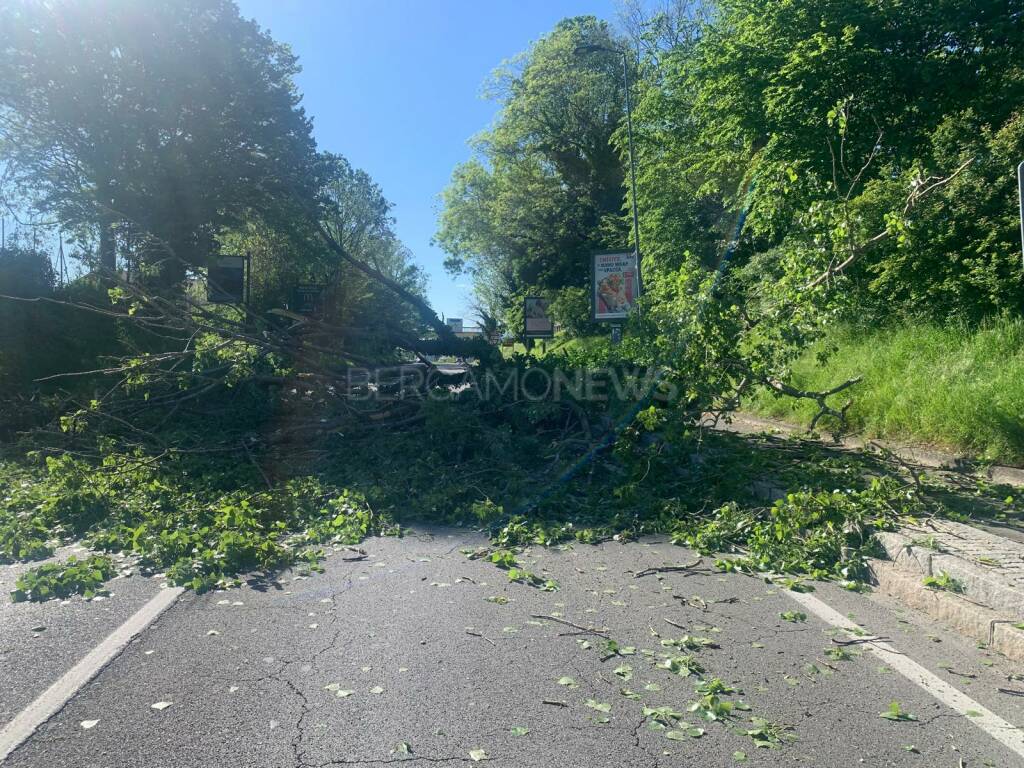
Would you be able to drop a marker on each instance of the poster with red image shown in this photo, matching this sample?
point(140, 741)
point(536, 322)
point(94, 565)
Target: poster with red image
point(614, 287)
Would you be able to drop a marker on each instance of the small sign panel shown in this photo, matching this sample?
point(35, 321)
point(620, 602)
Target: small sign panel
point(613, 285)
point(308, 298)
point(225, 281)
point(536, 323)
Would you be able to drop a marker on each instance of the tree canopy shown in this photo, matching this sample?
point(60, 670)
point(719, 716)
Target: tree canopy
point(151, 126)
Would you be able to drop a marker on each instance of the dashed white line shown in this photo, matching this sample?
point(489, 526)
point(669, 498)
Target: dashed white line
point(57, 695)
point(984, 718)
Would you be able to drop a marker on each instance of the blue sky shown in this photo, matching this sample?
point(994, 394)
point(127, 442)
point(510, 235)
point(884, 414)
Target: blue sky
point(394, 85)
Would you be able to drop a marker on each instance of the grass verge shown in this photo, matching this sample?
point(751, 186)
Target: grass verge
point(956, 389)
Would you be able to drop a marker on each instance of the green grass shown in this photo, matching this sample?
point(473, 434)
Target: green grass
point(956, 389)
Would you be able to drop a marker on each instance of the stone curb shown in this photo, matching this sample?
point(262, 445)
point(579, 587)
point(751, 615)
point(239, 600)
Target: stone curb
point(979, 585)
point(986, 610)
point(968, 618)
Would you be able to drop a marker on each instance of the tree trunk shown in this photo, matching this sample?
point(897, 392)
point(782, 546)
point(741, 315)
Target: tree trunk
point(108, 255)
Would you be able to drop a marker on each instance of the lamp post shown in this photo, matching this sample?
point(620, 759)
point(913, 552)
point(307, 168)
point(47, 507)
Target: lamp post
point(1020, 193)
point(592, 48)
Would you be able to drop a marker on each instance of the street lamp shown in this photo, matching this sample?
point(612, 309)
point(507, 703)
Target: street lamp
point(593, 48)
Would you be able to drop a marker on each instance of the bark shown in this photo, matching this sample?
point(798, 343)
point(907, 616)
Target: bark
point(108, 254)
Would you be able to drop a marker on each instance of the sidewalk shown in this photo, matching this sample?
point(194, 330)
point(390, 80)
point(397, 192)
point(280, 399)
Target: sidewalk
point(931, 458)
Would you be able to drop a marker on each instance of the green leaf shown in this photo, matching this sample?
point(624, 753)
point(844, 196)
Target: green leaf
point(896, 713)
point(625, 671)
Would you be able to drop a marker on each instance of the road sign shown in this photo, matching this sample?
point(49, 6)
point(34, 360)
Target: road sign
point(614, 285)
point(536, 322)
point(308, 298)
point(225, 280)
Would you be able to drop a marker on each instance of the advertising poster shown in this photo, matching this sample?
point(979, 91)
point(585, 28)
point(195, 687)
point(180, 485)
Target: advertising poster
point(537, 324)
point(614, 288)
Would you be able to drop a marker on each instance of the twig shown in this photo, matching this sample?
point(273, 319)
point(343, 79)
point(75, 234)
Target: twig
point(255, 463)
point(969, 675)
point(1011, 691)
point(583, 630)
point(668, 569)
point(824, 409)
point(893, 456)
point(691, 602)
point(857, 640)
point(477, 634)
point(919, 191)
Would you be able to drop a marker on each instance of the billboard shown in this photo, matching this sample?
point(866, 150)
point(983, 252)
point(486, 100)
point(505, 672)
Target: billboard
point(536, 323)
point(614, 287)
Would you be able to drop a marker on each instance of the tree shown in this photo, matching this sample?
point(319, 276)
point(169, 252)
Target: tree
point(545, 187)
point(817, 117)
point(152, 124)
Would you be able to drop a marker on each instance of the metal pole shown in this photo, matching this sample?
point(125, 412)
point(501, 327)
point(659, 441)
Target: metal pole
point(1020, 192)
point(632, 171)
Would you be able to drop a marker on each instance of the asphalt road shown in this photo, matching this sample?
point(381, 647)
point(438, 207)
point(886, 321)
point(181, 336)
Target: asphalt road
point(39, 641)
point(438, 673)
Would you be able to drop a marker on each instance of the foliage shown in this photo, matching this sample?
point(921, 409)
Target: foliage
point(816, 153)
point(822, 534)
point(943, 582)
point(60, 580)
point(896, 713)
point(203, 525)
point(798, 164)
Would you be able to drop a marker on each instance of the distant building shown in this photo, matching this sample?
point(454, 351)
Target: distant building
point(455, 323)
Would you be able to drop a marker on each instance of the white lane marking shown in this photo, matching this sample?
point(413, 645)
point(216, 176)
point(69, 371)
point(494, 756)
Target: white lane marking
point(982, 717)
point(57, 695)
